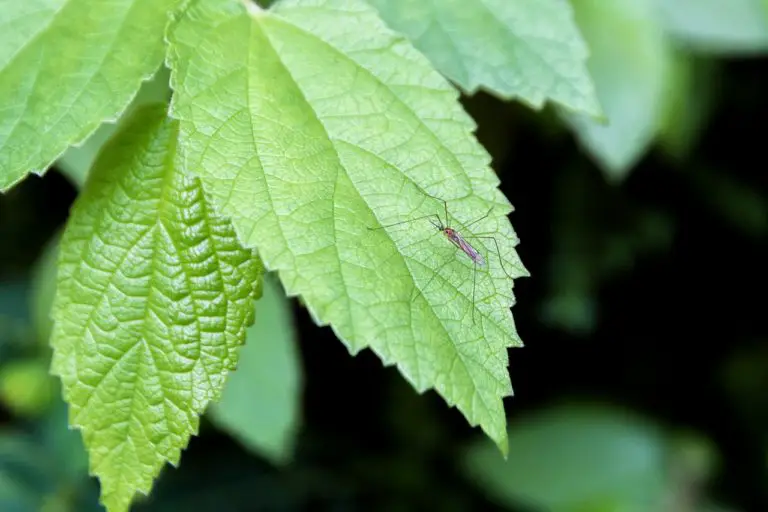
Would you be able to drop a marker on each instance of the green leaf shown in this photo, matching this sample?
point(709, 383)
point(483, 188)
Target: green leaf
point(260, 405)
point(311, 124)
point(688, 103)
point(77, 160)
point(153, 297)
point(44, 290)
point(66, 66)
point(576, 458)
point(629, 63)
point(723, 27)
point(529, 49)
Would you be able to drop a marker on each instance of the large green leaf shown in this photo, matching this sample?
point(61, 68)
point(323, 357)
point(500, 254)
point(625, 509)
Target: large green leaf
point(153, 297)
point(261, 402)
point(717, 26)
point(530, 49)
point(311, 124)
point(66, 66)
point(77, 160)
point(629, 63)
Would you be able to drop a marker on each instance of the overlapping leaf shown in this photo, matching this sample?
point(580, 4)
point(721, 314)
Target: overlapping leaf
point(529, 49)
point(718, 26)
point(66, 66)
point(312, 123)
point(260, 405)
point(629, 62)
point(153, 298)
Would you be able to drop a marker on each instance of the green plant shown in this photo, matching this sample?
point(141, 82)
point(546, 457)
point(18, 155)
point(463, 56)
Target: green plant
point(281, 135)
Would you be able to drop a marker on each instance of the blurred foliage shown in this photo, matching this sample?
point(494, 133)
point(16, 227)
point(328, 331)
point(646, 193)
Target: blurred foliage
point(577, 458)
point(646, 293)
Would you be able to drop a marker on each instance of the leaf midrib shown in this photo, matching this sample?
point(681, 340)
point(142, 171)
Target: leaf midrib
point(287, 23)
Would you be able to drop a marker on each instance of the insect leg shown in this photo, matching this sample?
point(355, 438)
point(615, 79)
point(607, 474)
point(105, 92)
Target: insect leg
point(498, 251)
point(474, 280)
point(433, 215)
point(422, 290)
point(478, 220)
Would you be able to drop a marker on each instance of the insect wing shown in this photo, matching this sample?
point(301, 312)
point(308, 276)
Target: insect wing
point(470, 251)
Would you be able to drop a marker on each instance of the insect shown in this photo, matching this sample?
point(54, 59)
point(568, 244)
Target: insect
point(460, 242)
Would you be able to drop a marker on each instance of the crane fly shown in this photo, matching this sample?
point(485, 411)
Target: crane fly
point(458, 240)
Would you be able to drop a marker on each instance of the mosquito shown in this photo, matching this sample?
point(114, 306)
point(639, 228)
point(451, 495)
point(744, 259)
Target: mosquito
point(460, 242)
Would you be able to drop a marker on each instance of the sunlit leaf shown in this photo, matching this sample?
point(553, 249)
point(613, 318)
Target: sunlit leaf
point(153, 297)
point(260, 405)
point(528, 49)
point(77, 160)
point(312, 123)
point(66, 66)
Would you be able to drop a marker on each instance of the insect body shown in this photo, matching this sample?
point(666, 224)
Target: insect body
point(460, 242)
point(456, 239)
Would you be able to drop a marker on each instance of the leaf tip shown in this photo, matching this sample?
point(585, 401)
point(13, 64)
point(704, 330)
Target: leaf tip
point(252, 8)
point(503, 445)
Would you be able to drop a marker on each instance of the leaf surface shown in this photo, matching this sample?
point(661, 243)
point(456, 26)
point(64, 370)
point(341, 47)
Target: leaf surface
point(153, 297)
point(629, 62)
point(576, 457)
point(77, 160)
point(313, 123)
point(721, 27)
point(66, 66)
point(260, 405)
point(529, 49)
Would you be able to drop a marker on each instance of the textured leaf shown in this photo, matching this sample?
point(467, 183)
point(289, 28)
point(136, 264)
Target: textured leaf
point(530, 49)
point(717, 26)
point(66, 66)
point(153, 298)
point(629, 63)
point(576, 458)
point(77, 160)
point(311, 124)
point(260, 405)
